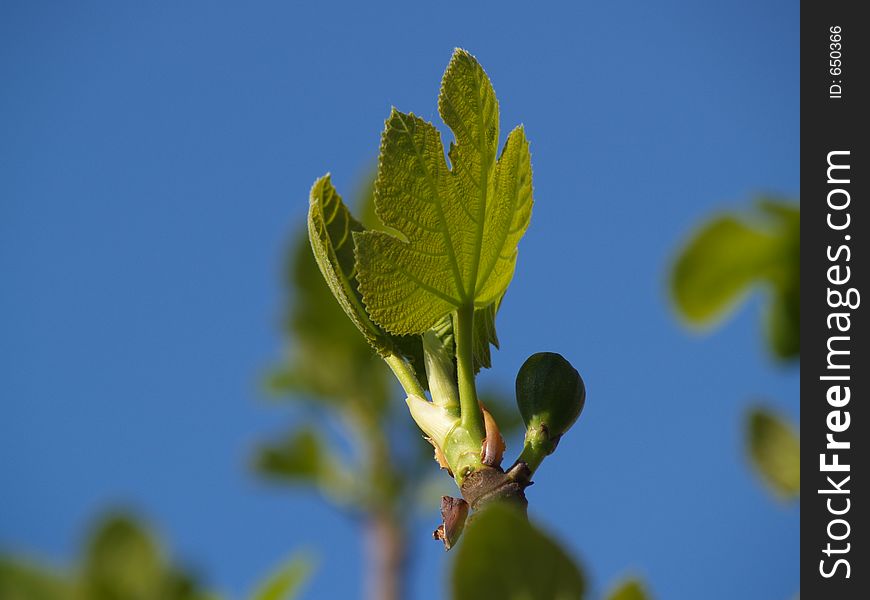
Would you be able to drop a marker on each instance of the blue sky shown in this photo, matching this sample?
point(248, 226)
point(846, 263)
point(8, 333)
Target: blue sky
point(154, 160)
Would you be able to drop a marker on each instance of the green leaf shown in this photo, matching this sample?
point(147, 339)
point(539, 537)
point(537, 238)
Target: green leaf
point(783, 316)
point(22, 580)
point(784, 309)
point(717, 268)
point(297, 457)
point(729, 256)
point(458, 227)
point(330, 229)
point(302, 457)
point(774, 449)
point(485, 335)
point(631, 589)
point(286, 581)
point(503, 556)
point(123, 561)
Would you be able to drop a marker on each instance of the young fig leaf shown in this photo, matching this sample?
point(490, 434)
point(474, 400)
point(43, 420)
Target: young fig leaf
point(330, 226)
point(330, 229)
point(460, 225)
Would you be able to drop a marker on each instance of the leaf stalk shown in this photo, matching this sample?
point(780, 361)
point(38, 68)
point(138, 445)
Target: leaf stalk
point(463, 331)
point(405, 374)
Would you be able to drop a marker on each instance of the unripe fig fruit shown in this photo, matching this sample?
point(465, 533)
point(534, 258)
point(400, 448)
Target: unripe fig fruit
point(550, 394)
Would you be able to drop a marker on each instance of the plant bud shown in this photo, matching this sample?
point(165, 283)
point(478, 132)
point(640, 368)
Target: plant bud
point(550, 396)
point(439, 372)
point(436, 422)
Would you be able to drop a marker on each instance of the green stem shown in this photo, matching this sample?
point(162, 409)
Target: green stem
point(463, 331)
point(537, 446)
point(406, 375)
point(533, 455)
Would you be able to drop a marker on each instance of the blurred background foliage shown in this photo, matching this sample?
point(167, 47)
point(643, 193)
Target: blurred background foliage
point(774, 448)
point(734, 254)
point(377, 467)
point(380, 469)
point(630, 589)
point(726, 259)
point(122, 560)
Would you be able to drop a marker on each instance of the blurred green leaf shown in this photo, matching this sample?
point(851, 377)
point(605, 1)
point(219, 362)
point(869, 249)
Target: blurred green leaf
point(774, 449)
point(303, 457)
point(783, 321)
point(286, 581)
point(784, 309)
point(298, 456)
point(180, 585)
point(502, 556)
point(717, 267)
point(485, 335)
point(630, 589)
point(21, 580)
point(122, 562)
point(730, 255)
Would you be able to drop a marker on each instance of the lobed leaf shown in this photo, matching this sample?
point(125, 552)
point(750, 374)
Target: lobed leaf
point(330, 230)
point(457, 228)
